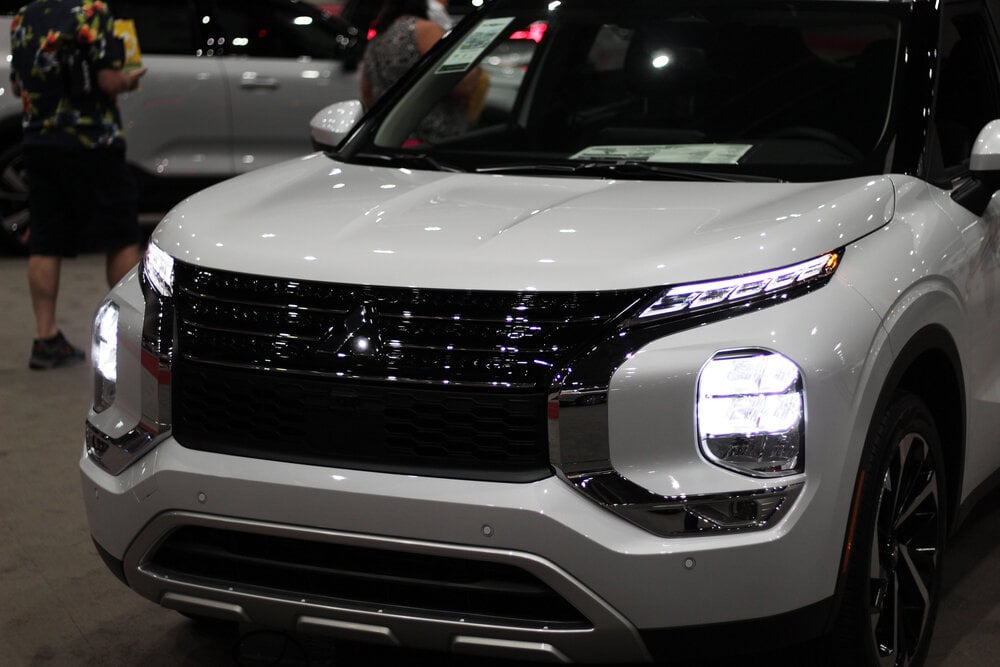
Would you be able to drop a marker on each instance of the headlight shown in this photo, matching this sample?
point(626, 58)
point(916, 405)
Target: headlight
point(731, 291)
point(750, 413)
point(105, 355)
point(158, 270)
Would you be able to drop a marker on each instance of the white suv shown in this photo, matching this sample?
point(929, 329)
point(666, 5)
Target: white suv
point(688, 347)
point(231, 84)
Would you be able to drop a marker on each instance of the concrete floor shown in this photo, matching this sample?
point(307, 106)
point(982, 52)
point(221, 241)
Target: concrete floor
point(60, 606)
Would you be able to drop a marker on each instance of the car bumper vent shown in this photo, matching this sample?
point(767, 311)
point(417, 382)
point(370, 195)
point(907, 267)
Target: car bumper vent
point(421, 585)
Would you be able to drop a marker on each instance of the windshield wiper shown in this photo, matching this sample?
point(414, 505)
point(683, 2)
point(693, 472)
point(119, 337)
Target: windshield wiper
point(418, 160)
point(624, 169)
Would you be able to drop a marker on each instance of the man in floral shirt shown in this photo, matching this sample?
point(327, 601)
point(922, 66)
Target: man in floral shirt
point(67, 68)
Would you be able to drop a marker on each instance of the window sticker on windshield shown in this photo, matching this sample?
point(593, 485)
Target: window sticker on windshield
point(473, 45)
point(689, 153)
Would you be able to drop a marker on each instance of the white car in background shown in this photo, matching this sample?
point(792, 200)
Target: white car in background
point(689, 347)
point(231, 86)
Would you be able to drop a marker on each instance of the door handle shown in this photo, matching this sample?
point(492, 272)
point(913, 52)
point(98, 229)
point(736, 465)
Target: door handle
point(259, 83)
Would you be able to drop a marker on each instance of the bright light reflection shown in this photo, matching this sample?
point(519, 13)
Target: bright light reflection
point(661, 60)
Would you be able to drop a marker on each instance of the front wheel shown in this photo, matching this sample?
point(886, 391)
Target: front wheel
point(897, 542)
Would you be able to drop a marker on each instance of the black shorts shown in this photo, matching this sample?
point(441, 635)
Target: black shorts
point(80, 200)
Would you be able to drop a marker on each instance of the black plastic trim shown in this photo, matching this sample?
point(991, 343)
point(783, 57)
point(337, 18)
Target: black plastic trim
point(116, 566)
point(743, 638)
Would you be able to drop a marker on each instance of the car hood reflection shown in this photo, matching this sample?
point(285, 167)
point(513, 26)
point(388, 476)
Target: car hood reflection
point(405, 227)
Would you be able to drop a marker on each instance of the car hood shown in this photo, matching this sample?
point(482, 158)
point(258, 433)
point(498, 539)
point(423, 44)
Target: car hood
point(318, 219)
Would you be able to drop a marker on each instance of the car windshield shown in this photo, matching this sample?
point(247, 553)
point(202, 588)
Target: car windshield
point(649, 89)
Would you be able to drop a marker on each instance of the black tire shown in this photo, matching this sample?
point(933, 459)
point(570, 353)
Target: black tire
point(897, 546)
point(14, 220)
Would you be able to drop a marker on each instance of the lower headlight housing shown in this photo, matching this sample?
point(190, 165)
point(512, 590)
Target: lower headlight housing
point(751, 413)
point(105, 355)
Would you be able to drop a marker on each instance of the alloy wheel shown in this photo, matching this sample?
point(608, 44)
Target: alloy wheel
point(905, 549)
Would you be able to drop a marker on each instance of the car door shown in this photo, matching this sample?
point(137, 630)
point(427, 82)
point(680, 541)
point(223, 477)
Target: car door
point(283, 63)
point(177, 124)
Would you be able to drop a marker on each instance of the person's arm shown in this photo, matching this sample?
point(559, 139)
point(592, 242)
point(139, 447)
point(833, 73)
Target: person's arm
point(116, 81)
point(427, 34)
point(367, 97)
point(112, 79)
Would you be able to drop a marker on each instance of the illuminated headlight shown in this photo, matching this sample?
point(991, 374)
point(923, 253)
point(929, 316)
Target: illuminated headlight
point(697, 296)
point(750, 413)
point(158, 270)
point(105, 355)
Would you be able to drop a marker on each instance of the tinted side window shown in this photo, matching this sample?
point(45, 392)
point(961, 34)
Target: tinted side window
point(164, 28)
point(279, 30)
point(968, 95)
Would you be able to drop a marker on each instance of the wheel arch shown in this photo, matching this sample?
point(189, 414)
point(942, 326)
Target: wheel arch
point(928, 366)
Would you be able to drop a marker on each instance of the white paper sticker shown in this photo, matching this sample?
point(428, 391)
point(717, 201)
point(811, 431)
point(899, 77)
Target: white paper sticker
point(473, 45)
point(687, 153)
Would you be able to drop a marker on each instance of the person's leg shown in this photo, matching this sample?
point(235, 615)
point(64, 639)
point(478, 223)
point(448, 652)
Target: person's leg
point(43, 281)
point(50, 349)
point(117, 212)
point(53, 237)
point(120, 261)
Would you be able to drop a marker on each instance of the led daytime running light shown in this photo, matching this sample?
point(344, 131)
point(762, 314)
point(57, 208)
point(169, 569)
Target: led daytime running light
point(158, 268)
point(696, 296)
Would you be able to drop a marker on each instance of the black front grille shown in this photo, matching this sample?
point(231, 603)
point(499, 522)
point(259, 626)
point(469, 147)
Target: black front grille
point(440, 382)
point(425, 585)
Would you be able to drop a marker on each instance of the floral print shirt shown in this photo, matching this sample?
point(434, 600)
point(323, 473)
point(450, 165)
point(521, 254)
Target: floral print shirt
point(62, 108)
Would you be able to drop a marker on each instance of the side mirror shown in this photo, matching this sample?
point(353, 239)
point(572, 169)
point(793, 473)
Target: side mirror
point(984, 164)
point(331, 124)
point(986, 151)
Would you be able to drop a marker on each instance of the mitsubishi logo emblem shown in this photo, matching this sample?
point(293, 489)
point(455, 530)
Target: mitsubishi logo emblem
point(356, 336)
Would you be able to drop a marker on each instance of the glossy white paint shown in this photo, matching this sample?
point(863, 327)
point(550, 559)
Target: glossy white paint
point(319, 219)
point(178, 123)
point(914, 261)
point(273, 100)
point(331, 124)
point(431, 229)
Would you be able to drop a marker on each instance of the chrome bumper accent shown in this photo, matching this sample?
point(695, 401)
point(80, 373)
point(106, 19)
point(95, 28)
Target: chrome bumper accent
point(611, 638)
point(679, 516)
point(581, 453)
point(156, 356)
point(116, 454)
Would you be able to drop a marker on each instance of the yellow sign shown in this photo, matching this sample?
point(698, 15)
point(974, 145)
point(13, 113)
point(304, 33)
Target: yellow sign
point(125, 31)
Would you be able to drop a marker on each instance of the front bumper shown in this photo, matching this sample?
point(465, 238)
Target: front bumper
point(633, 588)
point(621, 579)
